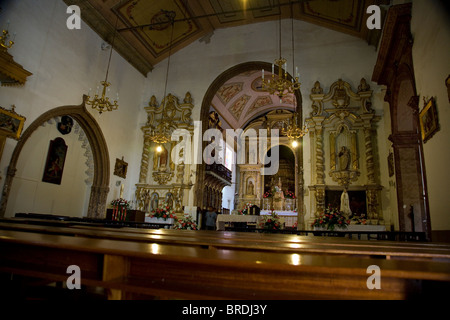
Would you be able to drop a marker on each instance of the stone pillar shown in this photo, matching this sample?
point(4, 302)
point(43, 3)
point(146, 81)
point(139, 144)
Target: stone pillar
point(97, 202)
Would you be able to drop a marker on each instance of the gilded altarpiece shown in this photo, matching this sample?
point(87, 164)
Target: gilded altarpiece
point(164, 175)
point(343, 131)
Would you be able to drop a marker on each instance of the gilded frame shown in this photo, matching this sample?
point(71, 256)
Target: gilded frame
point(120, 168)
point(11, 123)
point(428, 119)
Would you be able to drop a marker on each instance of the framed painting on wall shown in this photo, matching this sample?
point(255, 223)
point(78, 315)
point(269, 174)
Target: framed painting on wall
point(428, 118)
point(11, 123)
point(54, 165)
point(120, 168)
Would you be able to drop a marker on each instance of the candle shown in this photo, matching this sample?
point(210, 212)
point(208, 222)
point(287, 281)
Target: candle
point(273, 68)
point(263, 74)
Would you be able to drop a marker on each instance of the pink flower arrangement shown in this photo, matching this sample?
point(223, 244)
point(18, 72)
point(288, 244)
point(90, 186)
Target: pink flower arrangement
point(331, 218)
point(120, 207)
point(164, 212)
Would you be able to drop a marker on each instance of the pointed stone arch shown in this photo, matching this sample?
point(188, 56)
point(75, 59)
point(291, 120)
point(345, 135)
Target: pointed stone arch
point(100, 184)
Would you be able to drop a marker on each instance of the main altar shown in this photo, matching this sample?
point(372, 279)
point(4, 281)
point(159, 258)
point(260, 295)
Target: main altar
point(281, 189)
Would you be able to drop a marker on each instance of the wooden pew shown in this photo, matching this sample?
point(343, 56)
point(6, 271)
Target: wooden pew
point(246, 242)
point(127, 268)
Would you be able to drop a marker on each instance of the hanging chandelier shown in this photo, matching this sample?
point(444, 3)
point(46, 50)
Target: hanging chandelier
point(5, 43)
point(161, 133)
point(294, 130)
point(103, 103)
point(280, 85)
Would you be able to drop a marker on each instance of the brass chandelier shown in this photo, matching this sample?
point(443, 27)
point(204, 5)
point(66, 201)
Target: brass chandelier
point(103, 103)
point(162, 132)
point(295, 131)
point(280, 85)
point(5, 43)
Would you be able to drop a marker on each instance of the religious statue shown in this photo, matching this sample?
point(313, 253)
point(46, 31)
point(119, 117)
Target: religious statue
point(121, 190)
point(146, 198)
point(345, 204)
point(250, 188)
point(278, 196)
point(154, 201)
point(163, 157)
point(344, 159)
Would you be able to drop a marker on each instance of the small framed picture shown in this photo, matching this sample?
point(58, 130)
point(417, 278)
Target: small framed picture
point(11, 123)
point(428, 118)
point(120, 168)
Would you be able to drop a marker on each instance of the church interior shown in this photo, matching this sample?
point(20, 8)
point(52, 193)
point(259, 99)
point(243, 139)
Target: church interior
point(124, 121)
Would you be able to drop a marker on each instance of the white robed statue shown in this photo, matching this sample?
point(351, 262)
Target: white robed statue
point(345, 204)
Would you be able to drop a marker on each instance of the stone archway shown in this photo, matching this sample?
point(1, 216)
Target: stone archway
point(206, 103)
point(100, 184)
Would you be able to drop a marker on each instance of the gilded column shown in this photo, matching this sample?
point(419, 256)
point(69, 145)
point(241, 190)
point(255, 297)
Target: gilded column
point(333, 151)
point(320, 172)
point(354, 151)
point(144, 160)
point(369, 156)
point(320, 161)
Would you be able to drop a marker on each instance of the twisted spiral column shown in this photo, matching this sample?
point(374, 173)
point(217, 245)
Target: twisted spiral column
point(320, 161)
point(320, 172)
point(144, 161)
point(369, 156)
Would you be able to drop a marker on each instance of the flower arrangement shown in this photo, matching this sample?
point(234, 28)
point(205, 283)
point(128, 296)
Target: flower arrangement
point(360, 219)
point(163, 211)
point(331, 218)
point(268, 194)
point(246, 209)
point(120, 207)
point(271, 222)
point(289, 194)
point(186, 223)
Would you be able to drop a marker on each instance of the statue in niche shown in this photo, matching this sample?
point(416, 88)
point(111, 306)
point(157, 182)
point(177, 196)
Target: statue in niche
point(250, 188)
point(162, 159)
point(154, 201)
point(169, 200)
point(345, 204)
point(278, 198)
point(344, 158)
point(146, 198)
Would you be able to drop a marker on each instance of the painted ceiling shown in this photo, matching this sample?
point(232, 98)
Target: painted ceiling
point(144, 33)
point(241, 99)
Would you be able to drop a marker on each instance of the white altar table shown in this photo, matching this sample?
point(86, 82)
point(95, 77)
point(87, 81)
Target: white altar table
point(224, 218)
point(288, 217)
point(168, 222)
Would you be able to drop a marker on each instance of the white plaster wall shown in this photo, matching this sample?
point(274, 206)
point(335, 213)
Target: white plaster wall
point(430, 27)
point(65, 65)
point(28, 192)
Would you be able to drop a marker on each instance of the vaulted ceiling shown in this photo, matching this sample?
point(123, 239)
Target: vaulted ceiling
point(143, 32)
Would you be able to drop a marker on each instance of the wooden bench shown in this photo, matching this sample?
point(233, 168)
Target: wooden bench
point(127, 268)
point(243, 241)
